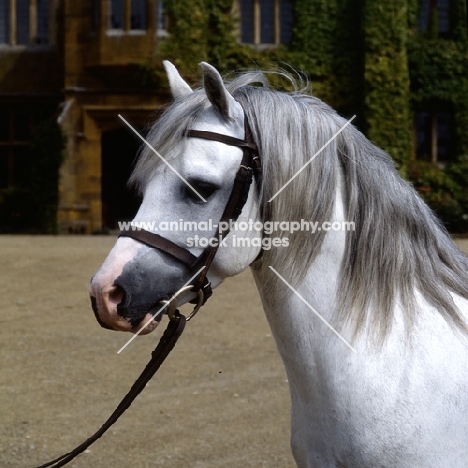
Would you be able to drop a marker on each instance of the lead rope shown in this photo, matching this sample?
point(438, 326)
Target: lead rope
point(250, 165)
point(167, 342)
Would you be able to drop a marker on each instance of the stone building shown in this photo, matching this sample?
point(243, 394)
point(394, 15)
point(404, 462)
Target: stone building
point(85, 62)
point(78, 61)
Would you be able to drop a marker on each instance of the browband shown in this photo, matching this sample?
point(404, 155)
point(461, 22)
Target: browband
point(226, 139)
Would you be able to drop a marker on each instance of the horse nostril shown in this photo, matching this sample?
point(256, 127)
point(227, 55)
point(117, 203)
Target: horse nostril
point(116, 294)
point(96, 313)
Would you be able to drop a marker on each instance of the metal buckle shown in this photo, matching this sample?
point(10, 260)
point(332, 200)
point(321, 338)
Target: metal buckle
point(172, 304)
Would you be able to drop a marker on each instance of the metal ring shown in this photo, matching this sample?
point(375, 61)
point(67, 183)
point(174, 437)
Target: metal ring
point(173, 303)
point(201, 300)
point(171, 307)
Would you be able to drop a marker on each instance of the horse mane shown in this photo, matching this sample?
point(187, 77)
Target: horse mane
point(398, 246)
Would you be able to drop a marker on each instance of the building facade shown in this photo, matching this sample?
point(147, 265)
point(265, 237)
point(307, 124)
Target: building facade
point(401, 66)
point(78, 62)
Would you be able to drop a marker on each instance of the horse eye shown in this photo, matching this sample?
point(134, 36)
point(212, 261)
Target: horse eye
point(205, 189)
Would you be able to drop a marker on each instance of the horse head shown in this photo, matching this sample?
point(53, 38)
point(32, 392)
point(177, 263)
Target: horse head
point(186, 185)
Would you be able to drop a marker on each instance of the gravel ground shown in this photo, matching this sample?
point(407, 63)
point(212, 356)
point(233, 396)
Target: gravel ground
point(220, 400)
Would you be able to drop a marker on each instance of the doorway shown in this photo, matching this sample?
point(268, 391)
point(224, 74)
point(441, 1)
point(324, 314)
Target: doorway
point(119, 202)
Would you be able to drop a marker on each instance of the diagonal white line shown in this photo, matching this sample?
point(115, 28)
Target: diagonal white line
point(312, 158)
point(159, 311)
point(161, 158)
point(312, 309)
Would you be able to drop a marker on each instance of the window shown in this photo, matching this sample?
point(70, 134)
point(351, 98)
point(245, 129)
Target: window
point(286, 23)
point(138, 16)
point(247, 21)
point(17, 122)
point(266, 21)
point(434, 136)
point(116, 14)
point(443, 16)
point(127, 14)
point(161, 17)
point(435, 14)
point(42, 32)
point(24, 22)
point(15, 132)
point(4, 21)
point(96, 15)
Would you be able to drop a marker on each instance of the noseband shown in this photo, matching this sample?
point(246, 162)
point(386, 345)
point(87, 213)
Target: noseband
point(250, 166)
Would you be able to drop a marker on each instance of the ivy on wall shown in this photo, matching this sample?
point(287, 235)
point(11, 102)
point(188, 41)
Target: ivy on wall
point(386, 75)
point(444, 190)
point(327, 48)
point(438, 68)
point(363, 57)
point(203, 30)
point(439, 79)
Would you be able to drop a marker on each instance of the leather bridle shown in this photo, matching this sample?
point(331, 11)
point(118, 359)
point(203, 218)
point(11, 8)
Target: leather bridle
point(249, 167)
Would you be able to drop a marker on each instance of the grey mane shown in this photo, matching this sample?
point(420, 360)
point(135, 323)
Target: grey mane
point(398, 246)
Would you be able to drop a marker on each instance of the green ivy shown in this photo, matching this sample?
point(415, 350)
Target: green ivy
point(386, 75)
point(363, 57)
point(444, 191)
point(327, 48)
point(439, 80)
point(203, 30)
point(457, 173)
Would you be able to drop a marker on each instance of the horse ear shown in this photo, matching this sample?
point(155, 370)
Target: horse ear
point(178, 86)
point(216, 92)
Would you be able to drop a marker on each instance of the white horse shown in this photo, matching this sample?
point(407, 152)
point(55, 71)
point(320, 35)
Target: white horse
point(372, 324)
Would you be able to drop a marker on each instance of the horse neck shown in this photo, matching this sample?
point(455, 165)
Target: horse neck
point(298, 332)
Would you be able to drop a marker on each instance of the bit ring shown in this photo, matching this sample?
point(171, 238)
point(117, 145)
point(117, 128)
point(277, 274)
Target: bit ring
point(172, 303)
